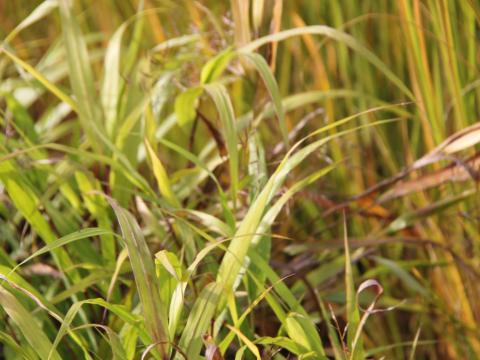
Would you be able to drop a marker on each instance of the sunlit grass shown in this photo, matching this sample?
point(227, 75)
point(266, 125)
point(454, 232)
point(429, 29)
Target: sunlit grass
point(247, 179)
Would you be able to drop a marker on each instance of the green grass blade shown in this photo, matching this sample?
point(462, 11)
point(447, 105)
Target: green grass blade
point(112, 80)
point(262, 67)
point(29, 329)
point(339, 36)
point(353, 315)
point(81, 77)
point(143, 267)
point(42, 10)
point(199, 320)
point(41, 79)
point(224, 106)
point(161, 176)
point(78, 235)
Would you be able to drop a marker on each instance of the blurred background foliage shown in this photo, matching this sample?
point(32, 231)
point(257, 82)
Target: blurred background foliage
point(150, 125)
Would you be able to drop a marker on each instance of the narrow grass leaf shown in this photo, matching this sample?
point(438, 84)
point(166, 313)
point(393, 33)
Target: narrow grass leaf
point(224, 106)
point(81, 77)
point(29, 329)
point(65, 328)
point(144, 271)
point(339, 36)
point(78, 235)
point(41, 11)
point(258, 8)
point(199, 320)
point(297, 331)
point(461, 140)
point(25, 351)
point(353, 315)
point(112, 79)
point(161, 176)
point(405, 220)
point(262, 67)
point(42, 79)
point(251, 346)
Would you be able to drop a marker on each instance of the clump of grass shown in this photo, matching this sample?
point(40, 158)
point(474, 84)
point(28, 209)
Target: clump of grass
point(254, 179)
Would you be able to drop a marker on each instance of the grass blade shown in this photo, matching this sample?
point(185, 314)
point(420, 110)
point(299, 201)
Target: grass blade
point(339, 36)
point(262, 67)
point(143, 267)
point(225, 109)
point(41, 79)
point(30, 329)
point(199, 320)
point(42, 10)
point(81, 77)
point(353, 315)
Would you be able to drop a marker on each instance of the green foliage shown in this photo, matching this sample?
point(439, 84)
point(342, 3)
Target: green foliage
point(298, 181)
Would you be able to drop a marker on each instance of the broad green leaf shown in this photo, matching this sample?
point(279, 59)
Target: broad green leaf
point(234, 258)
point(118, 351)
point(275, 209)
point(286, 296)
point(214, 68)
point(19, 283)
point(163, 182)
point(173, 284)
point(297, 331)
point(171, 263)
point(129, 337)
point(186, 105)
point(283, 342)
point(211, 222)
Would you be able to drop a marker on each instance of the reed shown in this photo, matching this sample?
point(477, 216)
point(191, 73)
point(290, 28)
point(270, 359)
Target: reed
point(255, 179)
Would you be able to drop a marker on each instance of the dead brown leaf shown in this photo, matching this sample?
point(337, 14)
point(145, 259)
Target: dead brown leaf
point(457, 172)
